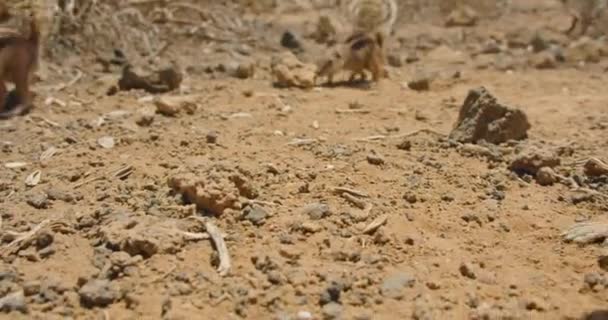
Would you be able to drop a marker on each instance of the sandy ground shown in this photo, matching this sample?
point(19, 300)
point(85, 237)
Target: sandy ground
point(463, 236)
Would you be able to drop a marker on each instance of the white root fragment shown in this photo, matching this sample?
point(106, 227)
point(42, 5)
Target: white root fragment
point(15, 165)
point(23, 238)
point(374, 225)
point(217, 238)
point(33, 179)
point(194, 235)
point(354, 200)
point(353, 111)
point(72, 82)
point(371, 138)
point(586, 232)
point(399, 136)
point(164, 275)
point(353, 192)
point(47, 154)
point(120, 173)
point(302, 142)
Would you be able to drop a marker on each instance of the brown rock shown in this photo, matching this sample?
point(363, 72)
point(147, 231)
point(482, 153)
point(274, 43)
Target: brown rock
point(420, 82)
point(483, 118)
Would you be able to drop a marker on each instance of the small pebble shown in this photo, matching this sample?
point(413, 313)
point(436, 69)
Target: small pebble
point(466, 270)
point(106, 142)
point(304, 315)
point(375, 159)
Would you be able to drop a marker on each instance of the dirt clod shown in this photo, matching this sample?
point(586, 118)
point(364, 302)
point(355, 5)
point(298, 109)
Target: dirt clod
point(288, 71)
point(218, 189)
point(532, 160)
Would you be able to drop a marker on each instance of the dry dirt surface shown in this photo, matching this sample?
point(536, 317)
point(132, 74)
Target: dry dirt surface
point(232, 198)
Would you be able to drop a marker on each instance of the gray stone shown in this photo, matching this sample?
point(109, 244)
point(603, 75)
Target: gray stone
point(315, 211)
point(37, 200)
point(255, 214)
point(13, 302)
point(98, 293)
point(55, 193)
